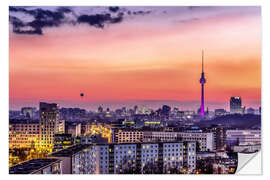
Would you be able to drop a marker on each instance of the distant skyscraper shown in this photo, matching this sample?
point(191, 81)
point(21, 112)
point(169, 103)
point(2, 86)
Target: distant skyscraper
point(202, 81)
point(136, 110)
point(100, 109)
point(236, 105)
point(166, 110)
point(28, 112)
point(49, 119)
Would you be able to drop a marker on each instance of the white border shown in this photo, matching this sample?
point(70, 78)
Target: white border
point(4, 70)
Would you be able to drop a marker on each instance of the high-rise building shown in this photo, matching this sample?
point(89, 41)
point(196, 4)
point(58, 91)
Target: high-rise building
point(202, 82)
point(219, 134)
point(49, 120)
point(165, 111)
point(100, 109)
point(236, 105)
point(136, 109)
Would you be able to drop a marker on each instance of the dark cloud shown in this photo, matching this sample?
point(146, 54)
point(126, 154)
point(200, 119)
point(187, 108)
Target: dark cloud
point(141, 12)
point(41, 14)
point(99, 20)
point(18, 27)
point(43, 18)
point(64, 10)
point(17, 9)
point(114, 9)
point(16, 22)
point(30, 32)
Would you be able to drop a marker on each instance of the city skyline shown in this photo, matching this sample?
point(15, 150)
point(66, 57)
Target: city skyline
point(166, 68)
point(152, 104)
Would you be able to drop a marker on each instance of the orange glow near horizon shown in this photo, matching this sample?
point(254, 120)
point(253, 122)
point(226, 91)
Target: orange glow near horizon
point(136, 61)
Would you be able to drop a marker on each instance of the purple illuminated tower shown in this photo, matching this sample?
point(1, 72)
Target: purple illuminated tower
point(202, 81)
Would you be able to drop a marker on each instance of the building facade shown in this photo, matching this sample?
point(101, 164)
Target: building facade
point(205, 140)
point(240, 137)
point(219, 134)
point(236, 105)
point(74, 129)
point(129, 158)
point(49, 121)
point(75, 159)
point(23, 134)
point(61, 127)
point(132, 136)
point(62, 141)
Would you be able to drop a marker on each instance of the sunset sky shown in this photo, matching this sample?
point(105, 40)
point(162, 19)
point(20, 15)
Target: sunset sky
point(127, 55)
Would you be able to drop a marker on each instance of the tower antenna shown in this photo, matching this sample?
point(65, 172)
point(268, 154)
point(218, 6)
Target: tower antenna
point(202, 59)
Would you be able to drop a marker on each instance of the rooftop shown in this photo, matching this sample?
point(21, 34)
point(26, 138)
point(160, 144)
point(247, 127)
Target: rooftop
point(31, 166)
point(148, 142)
point(206, 152)
point(23, 121)
point(70, 151)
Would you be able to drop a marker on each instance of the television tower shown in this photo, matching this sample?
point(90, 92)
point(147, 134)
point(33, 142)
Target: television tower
point(202, 82)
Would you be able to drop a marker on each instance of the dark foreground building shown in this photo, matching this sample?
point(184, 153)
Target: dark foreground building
point(38, 166)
